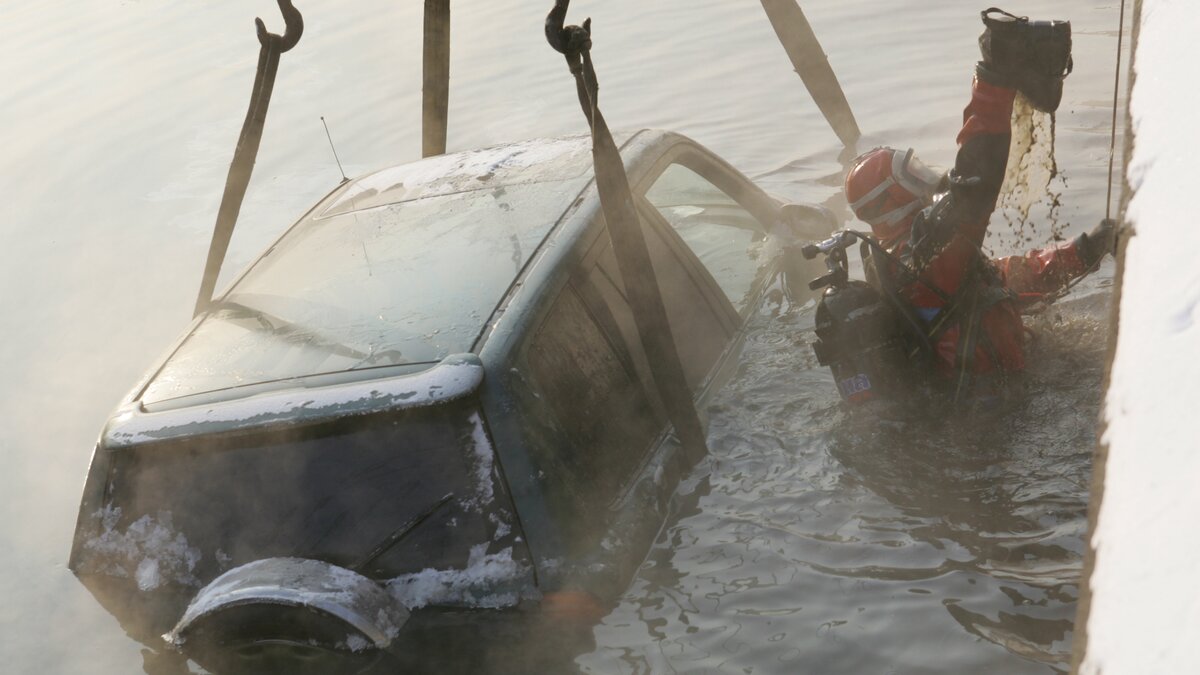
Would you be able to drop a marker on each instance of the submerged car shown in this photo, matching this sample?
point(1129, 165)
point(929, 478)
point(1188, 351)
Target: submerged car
point(428, 396)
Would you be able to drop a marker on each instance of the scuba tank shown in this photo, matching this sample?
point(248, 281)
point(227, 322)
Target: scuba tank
point(860, 336)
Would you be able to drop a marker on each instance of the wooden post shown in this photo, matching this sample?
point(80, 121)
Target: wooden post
point(436, 86)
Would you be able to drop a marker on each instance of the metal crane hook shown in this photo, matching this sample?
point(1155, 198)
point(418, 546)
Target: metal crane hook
point(570, 40)
point(247, 146)
point(294, 27)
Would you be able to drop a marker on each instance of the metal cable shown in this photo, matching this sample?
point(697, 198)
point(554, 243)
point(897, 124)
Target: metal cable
point(1112, 148)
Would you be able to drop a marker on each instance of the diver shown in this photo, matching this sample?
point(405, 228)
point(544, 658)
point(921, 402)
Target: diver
point(929, 228)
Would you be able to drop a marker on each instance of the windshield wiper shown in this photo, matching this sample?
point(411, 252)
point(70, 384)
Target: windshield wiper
point(280, 326)
point(400, 533)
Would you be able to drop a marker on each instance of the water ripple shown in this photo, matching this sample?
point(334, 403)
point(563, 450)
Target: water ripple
point(830, 547)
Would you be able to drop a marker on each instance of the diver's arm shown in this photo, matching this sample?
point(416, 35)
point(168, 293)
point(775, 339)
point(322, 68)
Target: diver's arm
point(1047, 270)
point(982, 155)
point(974, 183)
point(1041, 271)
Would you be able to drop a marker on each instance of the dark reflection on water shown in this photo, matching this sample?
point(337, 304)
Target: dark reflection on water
point(828, 544)
point(496, 645)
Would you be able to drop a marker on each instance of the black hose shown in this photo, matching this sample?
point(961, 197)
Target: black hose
point(912, 274)
point(902, 308)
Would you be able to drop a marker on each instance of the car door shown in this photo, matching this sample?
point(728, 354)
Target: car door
point(595, 416)
point(706, 220)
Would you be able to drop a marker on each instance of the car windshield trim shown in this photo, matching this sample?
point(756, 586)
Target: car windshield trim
point(403, 283)
point(332, 378)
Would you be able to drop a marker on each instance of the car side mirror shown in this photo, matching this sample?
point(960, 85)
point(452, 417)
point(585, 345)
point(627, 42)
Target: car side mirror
point(800, 224)
point(807, 222)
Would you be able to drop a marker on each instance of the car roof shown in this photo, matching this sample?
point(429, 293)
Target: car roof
point(532, 161)
point(390, 273)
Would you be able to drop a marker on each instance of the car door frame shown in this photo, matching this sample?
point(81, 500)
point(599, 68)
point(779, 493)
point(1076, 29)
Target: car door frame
point(559, 259)
point(650, 489)
point(764, 208)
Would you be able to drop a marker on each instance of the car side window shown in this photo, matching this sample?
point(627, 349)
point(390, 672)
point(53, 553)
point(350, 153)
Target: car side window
point(725, 236)
point(694, 315)
point(590, 396)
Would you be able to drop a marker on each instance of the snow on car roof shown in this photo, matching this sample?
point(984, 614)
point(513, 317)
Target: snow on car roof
point(531, 161)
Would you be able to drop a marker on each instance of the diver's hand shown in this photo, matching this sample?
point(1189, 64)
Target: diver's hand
point(1094, 245)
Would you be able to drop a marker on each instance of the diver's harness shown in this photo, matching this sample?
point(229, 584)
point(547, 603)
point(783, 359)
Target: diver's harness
point(872, 339)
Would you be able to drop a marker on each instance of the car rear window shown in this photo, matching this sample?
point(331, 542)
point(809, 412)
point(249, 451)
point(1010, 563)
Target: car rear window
point(389, 495)
point(402, 283)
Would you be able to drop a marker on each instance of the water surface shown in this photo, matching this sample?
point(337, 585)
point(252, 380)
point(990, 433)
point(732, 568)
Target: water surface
point(815, 547)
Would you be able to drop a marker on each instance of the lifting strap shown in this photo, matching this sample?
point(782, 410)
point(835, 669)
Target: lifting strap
point(247, 146)
point(628, 241)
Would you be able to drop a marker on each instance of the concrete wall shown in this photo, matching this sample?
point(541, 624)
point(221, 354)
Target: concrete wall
point(1141, 607)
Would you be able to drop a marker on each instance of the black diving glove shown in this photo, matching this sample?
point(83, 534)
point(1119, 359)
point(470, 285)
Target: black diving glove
point(1092, 246)
point(1033, 57)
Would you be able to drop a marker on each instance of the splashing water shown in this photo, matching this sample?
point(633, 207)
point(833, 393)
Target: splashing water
point(1032, 183)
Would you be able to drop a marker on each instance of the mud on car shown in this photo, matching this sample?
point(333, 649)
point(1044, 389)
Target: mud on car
point(425, 401)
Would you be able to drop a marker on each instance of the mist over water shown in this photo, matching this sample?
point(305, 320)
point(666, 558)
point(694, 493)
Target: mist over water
point(813, 544)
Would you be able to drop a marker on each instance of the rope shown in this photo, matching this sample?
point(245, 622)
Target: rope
point(1112, 148)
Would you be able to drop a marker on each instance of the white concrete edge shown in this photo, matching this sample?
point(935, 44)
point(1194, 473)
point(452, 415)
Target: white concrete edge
point(1143, 612)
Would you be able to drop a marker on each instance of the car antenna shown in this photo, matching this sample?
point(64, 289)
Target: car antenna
point(335, 155)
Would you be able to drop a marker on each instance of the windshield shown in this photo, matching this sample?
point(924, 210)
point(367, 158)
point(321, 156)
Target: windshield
point(397, 284)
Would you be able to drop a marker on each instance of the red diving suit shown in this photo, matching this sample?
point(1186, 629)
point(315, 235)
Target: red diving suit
point(969, 305)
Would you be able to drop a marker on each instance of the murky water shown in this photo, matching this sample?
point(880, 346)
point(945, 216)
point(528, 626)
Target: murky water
point(814, 546)
point(827, 545)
